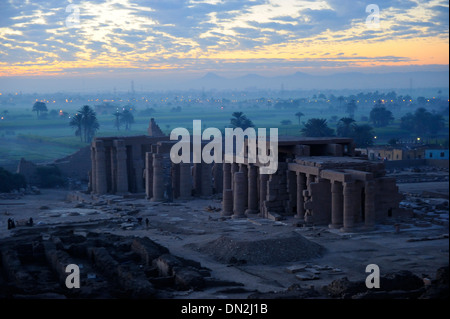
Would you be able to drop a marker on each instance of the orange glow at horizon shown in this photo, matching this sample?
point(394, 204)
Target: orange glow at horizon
point(423, 51)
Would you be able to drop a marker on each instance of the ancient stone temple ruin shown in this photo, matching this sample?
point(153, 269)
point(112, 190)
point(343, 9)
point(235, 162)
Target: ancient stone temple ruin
point(319, 180)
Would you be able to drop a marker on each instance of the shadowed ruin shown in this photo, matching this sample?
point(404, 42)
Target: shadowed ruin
point(319, 180)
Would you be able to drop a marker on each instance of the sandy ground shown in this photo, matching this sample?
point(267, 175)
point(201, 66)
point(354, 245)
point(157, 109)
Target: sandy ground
point(181, 225)
point(418, 188)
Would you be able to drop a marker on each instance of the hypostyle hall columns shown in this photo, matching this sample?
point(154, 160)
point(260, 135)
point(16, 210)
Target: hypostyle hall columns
point(227, 197)
point(337, 202)
point(100, 165)
point(122, 176)
point(349, 206)
point(206, 180)
point(93, 171)
point(263, 178)
point(301, 186)
point(149, 175)
point(252, 190)
point(369, 203)
point(185, 181)
point(239, 195)
point(158, 178)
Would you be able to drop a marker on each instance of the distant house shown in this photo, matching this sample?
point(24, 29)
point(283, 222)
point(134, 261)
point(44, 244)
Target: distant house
point(397, 153)
point(437, 154)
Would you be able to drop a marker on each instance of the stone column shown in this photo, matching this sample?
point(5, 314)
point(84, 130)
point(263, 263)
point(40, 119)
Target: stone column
point(239, 198)
point(122, 174)
point(218, 177)
point(243, 169)
point(175, 171)
point(100, 163)
point(197, 177)
point(93, 171)
point(113, 170)
point(369, 205)
point(234, 169)
point(226, 176)
point(291, 181)
point(252, 190)
point(301, 186)
point(185, 181)
point(358, 201)
point(349, 206)
point(310, 179)
point(227, 202)
point(138, 169)
point(263, 178)
point(337, 202)
point(149, 175)
point(206, 180)
point(158, 178)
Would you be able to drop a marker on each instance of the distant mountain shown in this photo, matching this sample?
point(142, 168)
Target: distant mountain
point(304, 81)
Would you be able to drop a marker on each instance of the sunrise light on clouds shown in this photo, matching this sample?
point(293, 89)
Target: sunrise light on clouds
point(212, 35)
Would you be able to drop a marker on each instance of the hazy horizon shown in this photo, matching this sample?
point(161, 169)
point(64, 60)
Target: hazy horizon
point(339, 81)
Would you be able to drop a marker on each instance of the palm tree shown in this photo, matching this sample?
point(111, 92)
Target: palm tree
point(380, 116)
point(316, 128)
point(86, 123)
point(240, 120)
point(127, 119)
point(299, 116)
point(76, 123)
point(39, 107)
point(345, 127)
point(363, 135)
point(351, 108)
point(117, 121)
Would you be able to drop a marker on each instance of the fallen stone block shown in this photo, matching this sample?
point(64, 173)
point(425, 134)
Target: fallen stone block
point(274, 216)
point(296, 268)
point(307, 277)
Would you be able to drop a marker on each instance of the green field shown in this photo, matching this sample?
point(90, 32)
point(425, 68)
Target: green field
point(41, 140)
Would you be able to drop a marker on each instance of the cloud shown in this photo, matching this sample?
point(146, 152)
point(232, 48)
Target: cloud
point(192, 33)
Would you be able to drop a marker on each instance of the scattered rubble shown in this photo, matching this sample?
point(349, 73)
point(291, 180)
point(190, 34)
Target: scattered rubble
point(111, 266)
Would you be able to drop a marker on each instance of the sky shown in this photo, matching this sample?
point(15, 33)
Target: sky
point(186, 39)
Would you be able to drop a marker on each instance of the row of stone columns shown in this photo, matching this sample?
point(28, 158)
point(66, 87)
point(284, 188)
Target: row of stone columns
point(184, 175)
point(345, 202)
point(345, 199)
point(158, 178)
point(116, 166)
point(240, 190)
point(122, 176)
point(185, 181)
point(301, 187)
point(252, 190)
point(100, 168)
